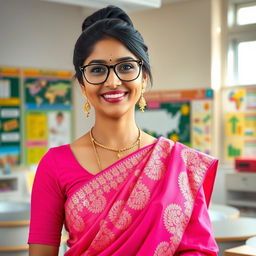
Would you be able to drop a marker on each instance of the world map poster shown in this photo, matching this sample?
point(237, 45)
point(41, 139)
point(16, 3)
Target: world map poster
point(47, 90)
point(48, 115)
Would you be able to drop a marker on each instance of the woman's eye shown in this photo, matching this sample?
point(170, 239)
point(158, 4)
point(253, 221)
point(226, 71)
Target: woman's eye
point(126, 67)
point(97, 69)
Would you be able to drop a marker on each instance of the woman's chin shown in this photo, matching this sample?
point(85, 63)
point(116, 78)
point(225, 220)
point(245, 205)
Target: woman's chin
point(117, 113)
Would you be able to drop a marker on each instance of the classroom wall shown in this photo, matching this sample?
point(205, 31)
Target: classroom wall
point(42, 35)
point(179, 40)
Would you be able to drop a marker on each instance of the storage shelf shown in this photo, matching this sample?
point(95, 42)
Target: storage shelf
point(242, 203)
point(241, 190)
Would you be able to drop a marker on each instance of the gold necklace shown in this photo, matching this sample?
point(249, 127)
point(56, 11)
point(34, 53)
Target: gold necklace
point(119, 151)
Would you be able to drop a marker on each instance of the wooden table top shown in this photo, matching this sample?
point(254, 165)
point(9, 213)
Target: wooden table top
point(243, 250)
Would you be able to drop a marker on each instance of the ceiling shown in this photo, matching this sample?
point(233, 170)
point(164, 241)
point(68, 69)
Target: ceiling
point(127, 5)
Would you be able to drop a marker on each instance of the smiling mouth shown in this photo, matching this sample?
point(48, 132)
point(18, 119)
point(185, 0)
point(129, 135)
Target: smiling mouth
point(114, 96)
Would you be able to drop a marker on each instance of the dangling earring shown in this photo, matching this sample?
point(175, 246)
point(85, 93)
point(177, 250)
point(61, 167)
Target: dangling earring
point(142, 101)
point(87, 108)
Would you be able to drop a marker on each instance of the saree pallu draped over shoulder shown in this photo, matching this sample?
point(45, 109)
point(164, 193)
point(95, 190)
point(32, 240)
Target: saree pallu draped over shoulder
point(141, 205)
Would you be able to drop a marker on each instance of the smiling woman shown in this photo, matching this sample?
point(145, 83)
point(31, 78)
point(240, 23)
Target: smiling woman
point(118, 190)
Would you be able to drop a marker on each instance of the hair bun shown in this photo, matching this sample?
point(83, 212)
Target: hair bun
point(109, 12)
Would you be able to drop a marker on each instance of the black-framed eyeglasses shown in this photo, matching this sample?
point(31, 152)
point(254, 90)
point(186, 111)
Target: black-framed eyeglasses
point(125, 70)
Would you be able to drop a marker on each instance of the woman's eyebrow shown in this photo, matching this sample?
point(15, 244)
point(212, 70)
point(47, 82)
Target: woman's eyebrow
point(97, 61)
point(118, 59)
point(125, 58)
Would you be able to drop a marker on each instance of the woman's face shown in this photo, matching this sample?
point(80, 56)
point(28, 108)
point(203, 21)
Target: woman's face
point(112, 98)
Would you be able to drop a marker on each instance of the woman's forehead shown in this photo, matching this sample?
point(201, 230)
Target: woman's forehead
point(109, 50)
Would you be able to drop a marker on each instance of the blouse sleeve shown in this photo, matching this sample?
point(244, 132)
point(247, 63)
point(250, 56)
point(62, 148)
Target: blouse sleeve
point(198, 238)
point(47, 204)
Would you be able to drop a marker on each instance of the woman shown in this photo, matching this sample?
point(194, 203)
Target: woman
point(118, 190)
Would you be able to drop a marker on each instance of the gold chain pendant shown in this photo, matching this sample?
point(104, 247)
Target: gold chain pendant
point(119, 155)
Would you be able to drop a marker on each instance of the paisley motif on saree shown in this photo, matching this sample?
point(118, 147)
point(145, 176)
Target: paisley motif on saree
point(139, 206)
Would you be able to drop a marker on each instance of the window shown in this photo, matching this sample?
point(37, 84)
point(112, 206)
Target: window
point(246, 14)
point(241, 59)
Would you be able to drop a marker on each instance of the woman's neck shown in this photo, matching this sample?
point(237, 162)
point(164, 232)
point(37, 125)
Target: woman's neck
point(118, 133)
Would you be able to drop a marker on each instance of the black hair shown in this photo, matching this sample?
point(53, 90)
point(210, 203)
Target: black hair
point(109, 22)
point(60, 114)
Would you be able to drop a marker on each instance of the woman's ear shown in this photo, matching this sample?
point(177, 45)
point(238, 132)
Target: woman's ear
point(83, 89)
point(144, 80)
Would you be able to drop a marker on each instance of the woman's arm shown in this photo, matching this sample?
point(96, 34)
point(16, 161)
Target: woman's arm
point(43, 250)
point(47, 207)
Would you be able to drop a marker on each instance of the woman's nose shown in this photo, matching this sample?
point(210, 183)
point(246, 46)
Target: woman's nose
point(113, 80)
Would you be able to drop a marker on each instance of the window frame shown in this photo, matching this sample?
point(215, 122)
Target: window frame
point(237, 34)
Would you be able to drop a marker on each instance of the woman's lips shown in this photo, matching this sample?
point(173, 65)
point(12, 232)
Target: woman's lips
point(115, 96)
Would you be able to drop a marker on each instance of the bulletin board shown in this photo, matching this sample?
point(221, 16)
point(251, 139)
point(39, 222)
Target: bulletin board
point(10, 111)
point(48, 105)
point(240, 122)
point(180, 115)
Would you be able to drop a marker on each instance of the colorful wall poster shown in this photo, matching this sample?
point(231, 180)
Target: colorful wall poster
point(240, 122)
point(10, 112)
point(59, 132)
point(48, 105)
point(202, 125)
point(184, 116)
point(47, 89)
point(174, 118)
point(36, 136)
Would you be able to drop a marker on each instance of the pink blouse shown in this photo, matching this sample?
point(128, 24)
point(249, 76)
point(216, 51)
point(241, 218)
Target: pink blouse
point(58, 175)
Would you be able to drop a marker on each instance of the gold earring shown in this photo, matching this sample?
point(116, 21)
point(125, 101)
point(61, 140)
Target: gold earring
point(142, 101)
point(87, 108)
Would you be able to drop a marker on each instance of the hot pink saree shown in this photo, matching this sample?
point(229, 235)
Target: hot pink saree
point(152, 202)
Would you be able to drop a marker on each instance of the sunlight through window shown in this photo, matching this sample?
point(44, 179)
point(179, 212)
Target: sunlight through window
point(246, 15)
point(247, 62)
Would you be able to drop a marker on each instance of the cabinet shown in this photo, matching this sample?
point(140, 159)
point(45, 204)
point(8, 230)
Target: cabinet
point(241, 191)
point(13, 186)
point(8, 184)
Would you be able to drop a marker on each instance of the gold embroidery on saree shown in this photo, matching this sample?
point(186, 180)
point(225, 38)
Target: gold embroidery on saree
point(163, 249)
point(103, 238)
point(139, 197)
point(119, 216)
point(176, 216)
point(91, 196)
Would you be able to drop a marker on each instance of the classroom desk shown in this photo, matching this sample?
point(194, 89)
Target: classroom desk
point(225, 210)
point(251, 242)
point(231, 233)
point(243, 250)
point(14, 228)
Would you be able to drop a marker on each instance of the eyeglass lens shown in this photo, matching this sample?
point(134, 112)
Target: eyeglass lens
point(98, 73)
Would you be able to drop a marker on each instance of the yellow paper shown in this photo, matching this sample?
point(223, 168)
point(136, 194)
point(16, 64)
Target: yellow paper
point(234, 123)
point(36, 126)
point(30, 180)
point(234, 147)
point(34, 154)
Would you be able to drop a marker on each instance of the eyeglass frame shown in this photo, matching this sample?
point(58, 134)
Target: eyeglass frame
point(82, 68)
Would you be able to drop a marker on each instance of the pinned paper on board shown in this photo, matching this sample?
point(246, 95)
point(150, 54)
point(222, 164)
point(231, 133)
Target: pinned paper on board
point(234, 147)
point(10, 123)
point(184, 115)
point(240, 122)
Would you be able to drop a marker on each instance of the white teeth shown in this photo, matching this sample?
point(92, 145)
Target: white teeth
point(113, 96)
